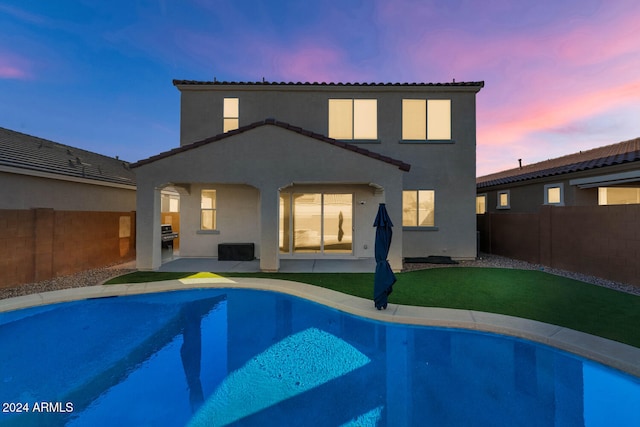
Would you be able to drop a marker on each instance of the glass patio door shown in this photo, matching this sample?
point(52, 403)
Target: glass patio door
point(320, 223)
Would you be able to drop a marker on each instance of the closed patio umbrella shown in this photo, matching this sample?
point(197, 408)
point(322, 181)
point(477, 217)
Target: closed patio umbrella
point(384, 277)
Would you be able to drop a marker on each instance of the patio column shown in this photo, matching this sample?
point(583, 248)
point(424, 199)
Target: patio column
point(269, 252)
point(148, 244)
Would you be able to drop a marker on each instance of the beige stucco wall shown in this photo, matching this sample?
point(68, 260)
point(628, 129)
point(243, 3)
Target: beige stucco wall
point(266, 159)
point(238, 219)
point(449, 167)
point(19, 191)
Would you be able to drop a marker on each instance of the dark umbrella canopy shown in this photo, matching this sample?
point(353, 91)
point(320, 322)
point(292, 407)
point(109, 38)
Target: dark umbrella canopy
point(384, 277)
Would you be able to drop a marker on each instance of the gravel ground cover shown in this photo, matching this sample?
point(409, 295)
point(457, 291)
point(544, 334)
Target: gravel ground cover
point(98, 276)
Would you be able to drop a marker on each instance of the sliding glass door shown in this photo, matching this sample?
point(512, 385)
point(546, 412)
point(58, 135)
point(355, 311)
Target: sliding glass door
point(320, 223)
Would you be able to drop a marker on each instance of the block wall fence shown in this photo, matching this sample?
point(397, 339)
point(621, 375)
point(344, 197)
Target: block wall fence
point(602, 241)
point(41, 244)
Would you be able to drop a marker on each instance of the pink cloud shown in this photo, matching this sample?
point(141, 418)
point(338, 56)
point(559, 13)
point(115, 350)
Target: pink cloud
point(14, 67)
point(315, 62)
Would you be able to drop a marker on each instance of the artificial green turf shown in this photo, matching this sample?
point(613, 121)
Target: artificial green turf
point(528, 294)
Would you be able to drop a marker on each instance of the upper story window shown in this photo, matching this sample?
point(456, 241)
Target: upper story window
point(353, 118)
point(426, 119)
point(553, 194)
point(230, 114)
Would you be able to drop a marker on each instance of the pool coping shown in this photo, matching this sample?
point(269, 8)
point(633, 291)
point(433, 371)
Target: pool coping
point(617, 355)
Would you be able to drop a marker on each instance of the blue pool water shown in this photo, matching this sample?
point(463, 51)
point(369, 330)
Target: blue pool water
point(254, 358)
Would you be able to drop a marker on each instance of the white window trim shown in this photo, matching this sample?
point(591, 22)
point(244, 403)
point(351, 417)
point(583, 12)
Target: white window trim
point(546, 194)
point(508, 205)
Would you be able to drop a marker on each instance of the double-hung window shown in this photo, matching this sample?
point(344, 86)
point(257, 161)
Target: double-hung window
point(230, 114)
point(353, 119)
point(426, 119)
point(208, 210)
point(418, 208)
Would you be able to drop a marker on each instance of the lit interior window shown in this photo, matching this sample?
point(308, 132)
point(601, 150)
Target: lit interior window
point(618, 195)
point(365, 119)
point(341, 118)
point(503, 200)
point(353, 119)
point(438, 119)
point(418, 208)
point(231, 114)
point(414, 113)
point(208, 210)
point(481, 204)
point(553, 195)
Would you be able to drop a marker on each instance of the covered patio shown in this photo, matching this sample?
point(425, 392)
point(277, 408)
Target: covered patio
point(298, 197)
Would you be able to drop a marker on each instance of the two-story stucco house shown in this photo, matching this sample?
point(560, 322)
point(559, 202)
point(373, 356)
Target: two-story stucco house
point(299, 169)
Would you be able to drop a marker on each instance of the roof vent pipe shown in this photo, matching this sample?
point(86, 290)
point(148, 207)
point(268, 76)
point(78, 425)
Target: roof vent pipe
point(520, 163)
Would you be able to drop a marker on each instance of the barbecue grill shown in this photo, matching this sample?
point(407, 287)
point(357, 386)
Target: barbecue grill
point(168, 235)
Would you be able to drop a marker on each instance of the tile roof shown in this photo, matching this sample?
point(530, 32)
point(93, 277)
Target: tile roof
point(479, 84)
point(609, 155)
point(272, 122)
point(19, 150)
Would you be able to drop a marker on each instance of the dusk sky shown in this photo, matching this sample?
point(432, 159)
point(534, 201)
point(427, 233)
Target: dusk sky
point(560, 75)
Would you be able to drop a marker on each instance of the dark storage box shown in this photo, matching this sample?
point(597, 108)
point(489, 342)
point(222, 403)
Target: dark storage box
point(236, 251)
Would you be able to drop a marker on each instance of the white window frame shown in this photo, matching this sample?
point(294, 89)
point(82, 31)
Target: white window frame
point(355, 119)
point(547, 187)
point(508, 194)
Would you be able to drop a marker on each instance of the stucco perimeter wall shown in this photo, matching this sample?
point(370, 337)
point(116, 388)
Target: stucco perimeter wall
point(603, 241)
point(20, 191)
point(40, 244)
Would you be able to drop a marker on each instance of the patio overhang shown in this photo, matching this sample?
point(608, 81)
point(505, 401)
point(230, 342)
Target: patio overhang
point(608, 180)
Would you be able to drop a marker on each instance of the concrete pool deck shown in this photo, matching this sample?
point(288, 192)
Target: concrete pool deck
point(620, 356)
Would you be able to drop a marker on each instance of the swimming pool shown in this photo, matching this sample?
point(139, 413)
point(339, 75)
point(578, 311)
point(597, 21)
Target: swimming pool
point(246, 357)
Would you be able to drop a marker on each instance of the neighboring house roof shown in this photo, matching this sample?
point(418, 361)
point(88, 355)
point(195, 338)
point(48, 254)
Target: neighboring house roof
point(272, 122)
point(609, 155)
point(30, 153)
point(479, 84)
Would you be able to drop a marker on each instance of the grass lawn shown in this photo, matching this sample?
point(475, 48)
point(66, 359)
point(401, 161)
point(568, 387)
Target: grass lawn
point(529, 294)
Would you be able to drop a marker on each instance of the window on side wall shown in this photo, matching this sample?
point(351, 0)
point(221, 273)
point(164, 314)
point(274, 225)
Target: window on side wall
point(231, 114)
point(554, 194)
point(418, 208)
point(504, 200)
point(481, 204)
point(208, 210)
point(426, 119)
point(355, 119)
point(618, 195)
